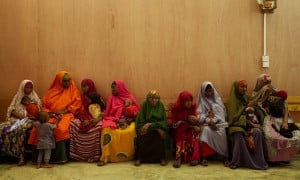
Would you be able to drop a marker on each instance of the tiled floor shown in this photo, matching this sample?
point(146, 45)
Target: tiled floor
point(126, 171)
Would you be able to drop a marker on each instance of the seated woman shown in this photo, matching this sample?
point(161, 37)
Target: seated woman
point(13, 130)
point(263, 89)
point(151, 130)
point(282, 143)
point(62, 101)
point(85, 131)
point(238, 101)
point(117, 144)
point(185, 130)
point(212, 112)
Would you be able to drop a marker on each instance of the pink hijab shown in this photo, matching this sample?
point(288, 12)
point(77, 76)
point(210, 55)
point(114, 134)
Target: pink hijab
point(115, 105)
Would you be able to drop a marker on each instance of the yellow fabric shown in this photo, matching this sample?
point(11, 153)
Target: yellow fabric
point(117, 145)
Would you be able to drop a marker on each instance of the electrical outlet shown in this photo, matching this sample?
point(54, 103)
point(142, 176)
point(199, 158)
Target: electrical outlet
point(265, 61)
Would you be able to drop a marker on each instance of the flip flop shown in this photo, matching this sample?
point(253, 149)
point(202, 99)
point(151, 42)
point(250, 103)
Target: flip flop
point(177, 164)
point(204, 163)
point(163, 163)
point(233, 166)
point(226, 163)
point(21, 163)
point(101, 163)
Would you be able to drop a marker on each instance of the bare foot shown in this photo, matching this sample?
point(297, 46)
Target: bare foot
point(38, 166)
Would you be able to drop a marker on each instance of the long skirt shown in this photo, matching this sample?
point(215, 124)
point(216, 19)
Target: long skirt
point(150, 148)
point(241, 156)
point(13, 142)
point(188, 148)
point(213, 139)
point(59, 155)
point(84, 145)
point(117, 145)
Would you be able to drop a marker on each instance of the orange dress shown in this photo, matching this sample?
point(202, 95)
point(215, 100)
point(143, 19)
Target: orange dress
point(56, 99)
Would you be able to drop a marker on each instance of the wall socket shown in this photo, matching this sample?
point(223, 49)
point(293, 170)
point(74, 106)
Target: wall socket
point(265, 61)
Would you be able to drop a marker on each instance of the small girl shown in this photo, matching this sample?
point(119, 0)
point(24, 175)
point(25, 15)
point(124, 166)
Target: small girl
point(46, 141)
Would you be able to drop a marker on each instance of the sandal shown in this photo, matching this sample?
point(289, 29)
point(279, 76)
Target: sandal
point(101, 163)
point(90, 160)
point(194, 163)
point(232, 166)
point(163, 163)
point(177, 163)
point(226, 163)
point(21, 162)
point(204, 162)
point(137, 163)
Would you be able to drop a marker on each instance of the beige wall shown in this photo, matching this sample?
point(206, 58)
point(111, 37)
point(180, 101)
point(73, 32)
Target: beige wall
point(168, 45)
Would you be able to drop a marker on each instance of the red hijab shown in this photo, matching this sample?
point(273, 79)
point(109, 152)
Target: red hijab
point(179, 111)
point(91, 89)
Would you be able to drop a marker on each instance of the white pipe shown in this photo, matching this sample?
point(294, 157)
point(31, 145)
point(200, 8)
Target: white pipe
point(265, 34)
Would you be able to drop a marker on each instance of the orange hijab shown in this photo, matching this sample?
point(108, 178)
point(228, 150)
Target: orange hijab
point(59, 98)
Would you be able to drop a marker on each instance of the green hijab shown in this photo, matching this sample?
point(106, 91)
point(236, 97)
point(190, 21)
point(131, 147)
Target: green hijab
point(152, 114)
point(235, 107)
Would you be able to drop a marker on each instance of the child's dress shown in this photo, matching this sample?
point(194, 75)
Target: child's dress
point(45, 135)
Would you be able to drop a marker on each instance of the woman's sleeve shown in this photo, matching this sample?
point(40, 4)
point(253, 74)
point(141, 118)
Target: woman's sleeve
point(11, 107)
point(140, 119)
point(76, 105)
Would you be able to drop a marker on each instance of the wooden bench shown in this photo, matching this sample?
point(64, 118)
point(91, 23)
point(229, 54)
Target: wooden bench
point(294, 103)
point(294, 108)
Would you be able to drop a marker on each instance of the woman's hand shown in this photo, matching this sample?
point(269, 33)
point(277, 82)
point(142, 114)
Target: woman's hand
point(144, 129)
point(62, 111)
point(95, 121)
point(177, 124)
point(251, 104)
point(162, 133)
point(17, 115)
point(256, 125)
point(85, 122)
point(212, 125)
point(285, 125)
point(211, 114)
point(193, 120)
point(197, 129)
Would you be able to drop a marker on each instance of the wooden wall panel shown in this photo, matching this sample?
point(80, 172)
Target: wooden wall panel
point(18, 47)
point(168, 45)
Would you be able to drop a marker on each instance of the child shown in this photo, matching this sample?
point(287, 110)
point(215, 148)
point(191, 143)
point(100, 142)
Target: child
point(46, 141)
point(250, 116)
point(27, 109)
point(128, 114)
point(251, 122)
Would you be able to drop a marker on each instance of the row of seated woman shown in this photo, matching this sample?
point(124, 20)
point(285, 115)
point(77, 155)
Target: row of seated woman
point(250, 131)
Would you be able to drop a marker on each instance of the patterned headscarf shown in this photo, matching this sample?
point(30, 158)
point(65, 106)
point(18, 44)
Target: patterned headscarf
point(152, 93)
point(262, 80)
